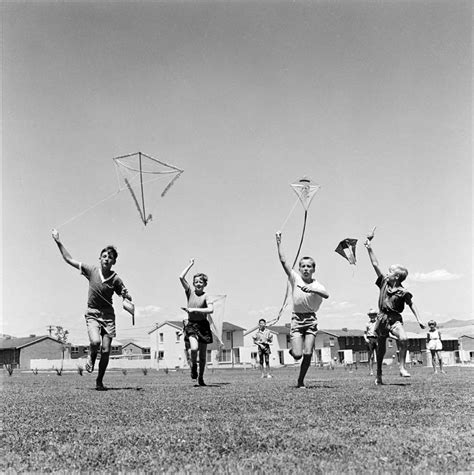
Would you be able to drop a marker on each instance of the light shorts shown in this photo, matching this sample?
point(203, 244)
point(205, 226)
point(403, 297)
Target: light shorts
point(303, 324)
point(434, 345)
point(95, 319)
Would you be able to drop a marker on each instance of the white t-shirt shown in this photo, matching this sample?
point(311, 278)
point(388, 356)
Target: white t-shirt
point(304, 302)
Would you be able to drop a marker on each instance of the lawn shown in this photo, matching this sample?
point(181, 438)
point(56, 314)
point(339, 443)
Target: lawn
point(161, 422)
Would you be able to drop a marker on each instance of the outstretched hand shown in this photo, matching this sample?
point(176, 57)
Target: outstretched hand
point(191, 261)
point(278, 237)
point(55, 234)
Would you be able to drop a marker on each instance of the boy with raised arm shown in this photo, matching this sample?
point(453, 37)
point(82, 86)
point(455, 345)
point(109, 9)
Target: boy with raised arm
point(198, 328)
point(392, 299)
point(100, 315)
point(307, 294)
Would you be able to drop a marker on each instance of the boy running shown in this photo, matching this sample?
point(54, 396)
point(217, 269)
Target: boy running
point(100, 315)
point(262, 339)
point(392, 299)
point(307, 294)
point(198, 329)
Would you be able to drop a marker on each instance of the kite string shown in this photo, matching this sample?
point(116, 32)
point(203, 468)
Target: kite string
point(289, 214)
point(283, 306)
point(88, 209)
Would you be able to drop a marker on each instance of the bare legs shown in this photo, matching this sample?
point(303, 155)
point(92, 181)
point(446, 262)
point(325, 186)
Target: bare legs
point(302, 347)
point(200, 349)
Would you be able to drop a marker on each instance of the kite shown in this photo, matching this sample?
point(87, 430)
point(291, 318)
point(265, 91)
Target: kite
point(216, 318)
point(305, 189)
point(347, 249)
point(140, 174)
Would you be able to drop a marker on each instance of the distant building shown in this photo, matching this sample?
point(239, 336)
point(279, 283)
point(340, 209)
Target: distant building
point(167, 345)
point(466, 349)
point(136, 349)
point(20, 351)
point(81, 350)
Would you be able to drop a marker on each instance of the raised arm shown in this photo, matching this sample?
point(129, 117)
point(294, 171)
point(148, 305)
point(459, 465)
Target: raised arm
point(64, 252)
point(282, 257)
point(373, 259)
point(182, 276)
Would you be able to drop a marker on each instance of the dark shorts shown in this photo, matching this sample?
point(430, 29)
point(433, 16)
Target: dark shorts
point(386, 322)
point(200, 330)
point(263, 349)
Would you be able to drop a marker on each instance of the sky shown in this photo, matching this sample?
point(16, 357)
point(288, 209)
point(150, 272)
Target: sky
point(371, 100)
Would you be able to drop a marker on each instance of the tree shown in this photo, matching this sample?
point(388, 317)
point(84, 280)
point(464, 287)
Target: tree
point(61, 335)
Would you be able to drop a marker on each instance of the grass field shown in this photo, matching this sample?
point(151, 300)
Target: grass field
point(238, 424)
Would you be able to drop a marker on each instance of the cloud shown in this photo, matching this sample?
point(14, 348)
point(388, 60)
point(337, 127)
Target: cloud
point(148, 311)
point(338, 306)
point(438, 275)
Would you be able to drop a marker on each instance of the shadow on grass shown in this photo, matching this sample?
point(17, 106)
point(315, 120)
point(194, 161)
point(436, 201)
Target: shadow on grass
point(127, 388)
point(212, 385)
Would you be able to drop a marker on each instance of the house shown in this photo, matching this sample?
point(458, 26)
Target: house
point(81, 349)
point(167, 345)
point(20, 351)
point(466, 349)
point(232, 353)
point(348, 347)
point(136, 349)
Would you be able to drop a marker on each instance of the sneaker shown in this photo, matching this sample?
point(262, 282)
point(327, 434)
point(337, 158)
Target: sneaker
point(300, 384)
point(371, 373)
point(89, 365)
point(269, 376)
point(100, 387)
point(404, 373)
point(378, 381)
point(201, 382)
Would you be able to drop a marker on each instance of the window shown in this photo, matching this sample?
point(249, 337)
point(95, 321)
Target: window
point(74, 350)
point(178, 337)
point(364, 356)
point(146, 351)
point(331, 341)
point(161, 355)
point(162, 337)
point(226, 356)
point(209, 356)
point(390, 343)
point(253, 355)
point(228, 336)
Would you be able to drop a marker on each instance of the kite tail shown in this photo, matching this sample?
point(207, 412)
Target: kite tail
point(283, 306)
point(136, 201)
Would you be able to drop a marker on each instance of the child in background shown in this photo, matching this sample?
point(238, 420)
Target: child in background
point(198, 329)
point(100, 315)
point(392, 299)
point(262, 339)
point(435, 345)
point(307, 294)
point(370, 338)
